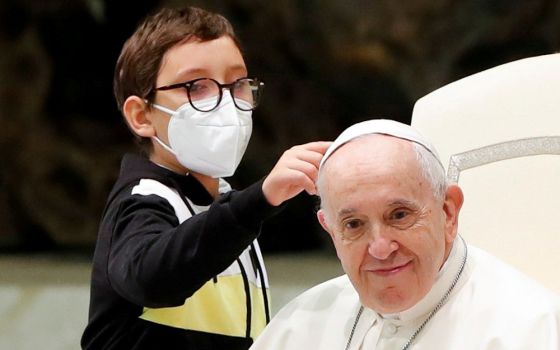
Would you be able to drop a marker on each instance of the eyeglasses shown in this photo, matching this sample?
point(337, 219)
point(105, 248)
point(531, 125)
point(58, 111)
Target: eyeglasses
point(246, 93)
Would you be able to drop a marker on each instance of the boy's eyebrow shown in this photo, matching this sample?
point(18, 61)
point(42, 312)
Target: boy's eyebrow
point(184, 74)
point(236, 67)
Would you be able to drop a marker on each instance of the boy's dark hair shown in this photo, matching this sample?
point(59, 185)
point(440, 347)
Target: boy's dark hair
point(138, 65)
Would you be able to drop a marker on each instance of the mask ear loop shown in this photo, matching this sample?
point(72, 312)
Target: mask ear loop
point(157, 139)
point(166, 147)
point(161, 108)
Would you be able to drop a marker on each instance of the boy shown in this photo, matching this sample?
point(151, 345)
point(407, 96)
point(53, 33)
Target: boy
point(177, 265)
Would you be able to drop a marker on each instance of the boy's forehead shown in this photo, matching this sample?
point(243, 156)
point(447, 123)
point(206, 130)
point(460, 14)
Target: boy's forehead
point(194, 58)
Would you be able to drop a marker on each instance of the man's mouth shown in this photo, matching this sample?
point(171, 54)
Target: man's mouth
point(390, 270)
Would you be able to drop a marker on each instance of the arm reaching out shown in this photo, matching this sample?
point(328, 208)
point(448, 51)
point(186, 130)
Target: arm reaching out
point(295, 171)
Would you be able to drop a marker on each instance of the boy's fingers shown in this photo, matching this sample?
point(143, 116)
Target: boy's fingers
point(318, 146)
point(311, 152)
point(310, 157)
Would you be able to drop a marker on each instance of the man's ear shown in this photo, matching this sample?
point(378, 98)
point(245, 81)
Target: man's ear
point(323, 221)
point(452, 206)
point(138, 117)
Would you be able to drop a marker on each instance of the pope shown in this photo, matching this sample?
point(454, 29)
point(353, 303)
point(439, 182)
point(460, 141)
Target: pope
point(411, 282)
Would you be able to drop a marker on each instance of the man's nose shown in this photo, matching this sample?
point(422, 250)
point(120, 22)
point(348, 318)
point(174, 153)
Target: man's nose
point(381, 245)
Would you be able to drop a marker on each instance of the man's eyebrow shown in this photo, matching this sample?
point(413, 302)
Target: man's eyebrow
point(345, 211)
point(403, 203)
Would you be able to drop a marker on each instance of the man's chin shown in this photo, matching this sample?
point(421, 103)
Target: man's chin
point(389, 301)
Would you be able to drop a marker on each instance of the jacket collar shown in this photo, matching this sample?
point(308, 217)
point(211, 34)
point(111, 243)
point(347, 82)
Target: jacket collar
point(135, 167)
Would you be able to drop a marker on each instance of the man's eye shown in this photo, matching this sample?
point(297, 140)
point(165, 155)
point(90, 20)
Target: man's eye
point(352, 229)
point(402, 218)
point(399, 214)
point(352, 224)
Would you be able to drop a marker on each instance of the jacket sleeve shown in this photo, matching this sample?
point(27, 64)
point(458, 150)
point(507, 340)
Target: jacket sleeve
point(155, 262)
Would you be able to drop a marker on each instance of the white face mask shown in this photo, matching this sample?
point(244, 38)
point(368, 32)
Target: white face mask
point(210, 143)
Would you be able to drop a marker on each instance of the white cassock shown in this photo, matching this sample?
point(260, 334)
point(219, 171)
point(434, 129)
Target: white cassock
point(492, 307)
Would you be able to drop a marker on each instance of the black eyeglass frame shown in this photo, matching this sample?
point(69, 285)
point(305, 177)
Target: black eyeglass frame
point(188, 84)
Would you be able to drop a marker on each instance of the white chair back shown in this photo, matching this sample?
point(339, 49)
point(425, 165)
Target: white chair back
point(498, 134)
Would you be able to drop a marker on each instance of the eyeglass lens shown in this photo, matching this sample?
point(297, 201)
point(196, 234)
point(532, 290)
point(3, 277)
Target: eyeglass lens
point(245, 93)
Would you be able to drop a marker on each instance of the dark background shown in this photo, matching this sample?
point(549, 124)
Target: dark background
point(327, 64)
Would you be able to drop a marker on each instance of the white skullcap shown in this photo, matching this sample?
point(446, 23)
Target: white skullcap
point(379, 126)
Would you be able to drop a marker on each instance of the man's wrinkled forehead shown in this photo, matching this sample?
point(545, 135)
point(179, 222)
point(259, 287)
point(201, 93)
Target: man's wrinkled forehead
point(378, 126)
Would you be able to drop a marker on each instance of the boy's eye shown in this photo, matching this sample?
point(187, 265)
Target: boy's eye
point(198, 88)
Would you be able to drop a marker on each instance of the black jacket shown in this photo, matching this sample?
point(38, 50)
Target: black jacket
point(167, 255)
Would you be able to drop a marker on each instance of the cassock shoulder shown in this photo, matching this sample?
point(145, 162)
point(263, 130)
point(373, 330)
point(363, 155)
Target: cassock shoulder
point(307, 319)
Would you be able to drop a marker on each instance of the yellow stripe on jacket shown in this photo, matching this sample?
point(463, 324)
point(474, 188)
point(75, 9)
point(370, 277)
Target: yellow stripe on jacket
point(216, 308)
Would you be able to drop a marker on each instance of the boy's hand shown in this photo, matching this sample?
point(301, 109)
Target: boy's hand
point(294, 172)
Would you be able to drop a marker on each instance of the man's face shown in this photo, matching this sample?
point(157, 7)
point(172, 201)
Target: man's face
point(390, 232)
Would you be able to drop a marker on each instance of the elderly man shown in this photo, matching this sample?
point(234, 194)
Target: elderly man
point(411, 281)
